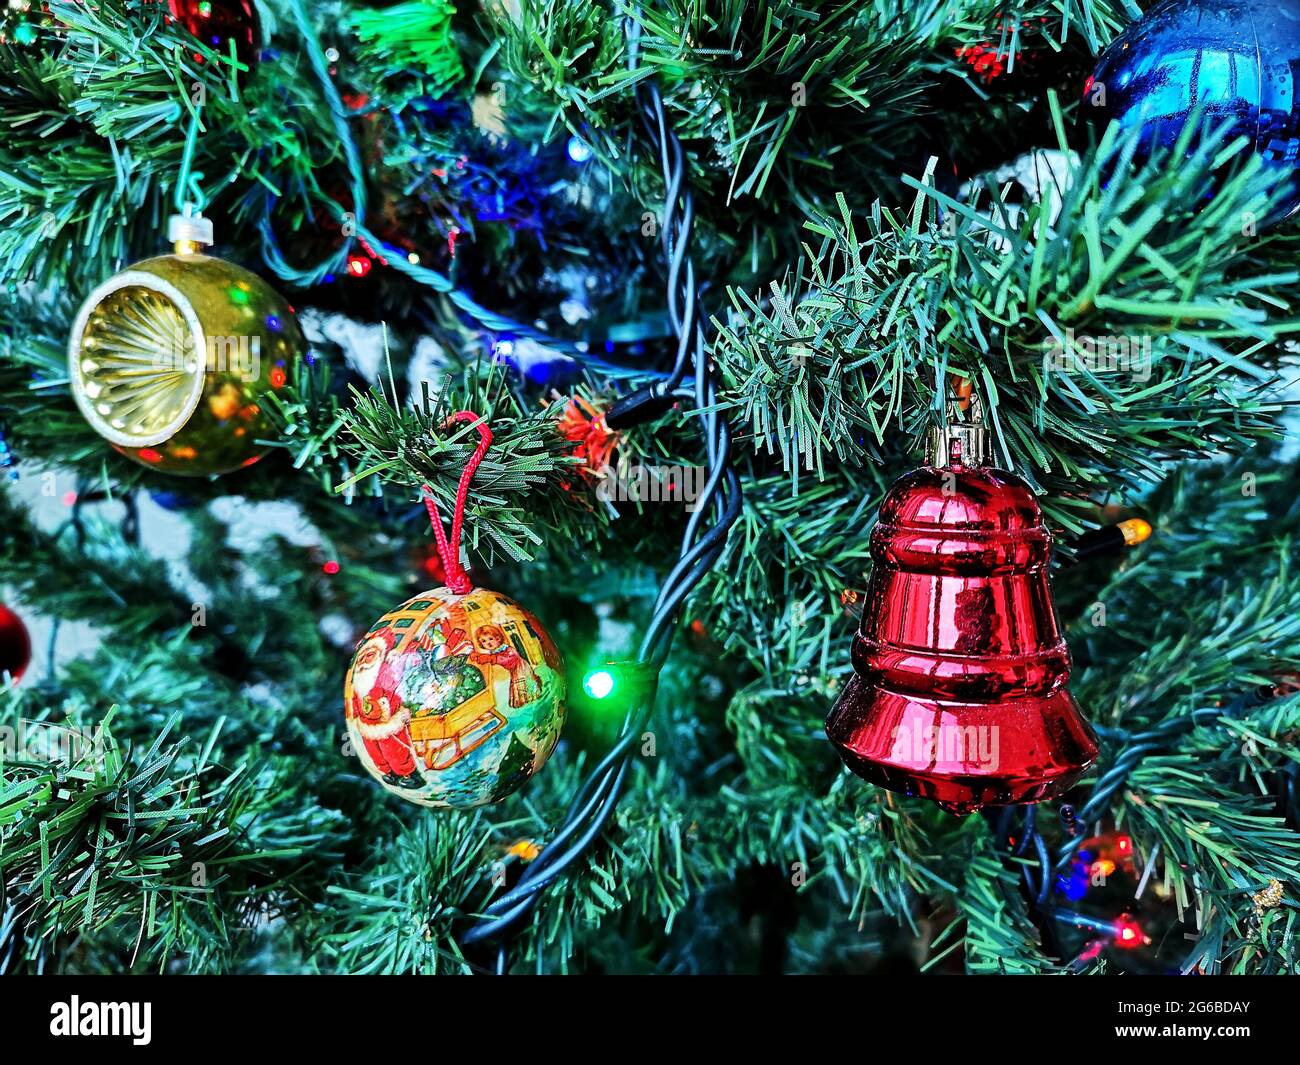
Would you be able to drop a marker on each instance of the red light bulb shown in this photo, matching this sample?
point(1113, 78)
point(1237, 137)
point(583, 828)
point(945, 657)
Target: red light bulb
point(1128, 933)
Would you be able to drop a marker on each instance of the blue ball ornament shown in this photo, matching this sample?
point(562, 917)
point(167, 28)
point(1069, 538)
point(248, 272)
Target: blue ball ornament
point(1237, 60)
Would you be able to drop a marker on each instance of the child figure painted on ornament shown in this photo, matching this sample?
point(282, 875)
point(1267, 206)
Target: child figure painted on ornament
point(493, 649)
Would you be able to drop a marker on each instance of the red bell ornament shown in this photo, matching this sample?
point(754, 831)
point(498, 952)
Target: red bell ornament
point(960, 689)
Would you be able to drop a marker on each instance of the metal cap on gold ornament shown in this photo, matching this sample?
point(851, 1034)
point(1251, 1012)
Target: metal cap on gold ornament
point(170, 359)
point(960, 692)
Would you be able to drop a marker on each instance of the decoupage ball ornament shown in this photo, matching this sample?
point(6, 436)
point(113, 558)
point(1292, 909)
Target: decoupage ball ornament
point(960, 688)
point(1235, 60)
point(15, 644)
point(454, 700)
point(170, 358)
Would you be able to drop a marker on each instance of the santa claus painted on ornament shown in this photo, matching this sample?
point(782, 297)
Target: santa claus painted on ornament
point(377, 711)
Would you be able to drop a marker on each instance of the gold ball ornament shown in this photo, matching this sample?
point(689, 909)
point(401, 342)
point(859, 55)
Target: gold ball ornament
point(170, 358)
point(454, 701)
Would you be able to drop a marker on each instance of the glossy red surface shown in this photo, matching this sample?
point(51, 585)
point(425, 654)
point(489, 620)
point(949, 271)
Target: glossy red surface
point(960, 694)
point(15, 644)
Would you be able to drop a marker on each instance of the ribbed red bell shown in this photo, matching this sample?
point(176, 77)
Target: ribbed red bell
point(960, 690)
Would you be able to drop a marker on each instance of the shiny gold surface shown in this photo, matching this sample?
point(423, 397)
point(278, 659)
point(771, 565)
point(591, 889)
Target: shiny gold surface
point(170, 358)
point(135, 388)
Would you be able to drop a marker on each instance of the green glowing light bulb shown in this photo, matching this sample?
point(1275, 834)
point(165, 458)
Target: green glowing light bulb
point(599, 684)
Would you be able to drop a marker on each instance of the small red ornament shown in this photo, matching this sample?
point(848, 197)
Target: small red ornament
point(988, 61)
point(960, 690)
point(993, 58)
point(15, 644)
point(217, 23)
point(582, 423)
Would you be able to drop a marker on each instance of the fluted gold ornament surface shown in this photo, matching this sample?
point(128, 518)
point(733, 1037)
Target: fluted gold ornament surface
point(169, 360)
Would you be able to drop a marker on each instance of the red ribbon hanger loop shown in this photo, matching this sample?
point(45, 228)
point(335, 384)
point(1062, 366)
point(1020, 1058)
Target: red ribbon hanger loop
point(449, 548)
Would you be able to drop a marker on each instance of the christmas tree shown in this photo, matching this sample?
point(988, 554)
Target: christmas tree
point(714, 276)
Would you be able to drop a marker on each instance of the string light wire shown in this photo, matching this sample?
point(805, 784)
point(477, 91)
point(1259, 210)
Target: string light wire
point(355, 229)
point(703, 539)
